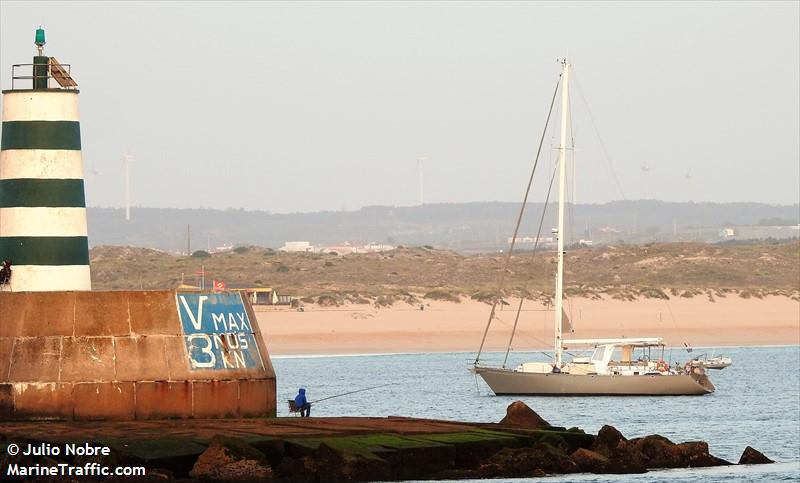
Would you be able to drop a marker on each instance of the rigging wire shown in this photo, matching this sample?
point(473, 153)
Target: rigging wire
point(532, 338)
point(606, 158)
point(671, 316)
point(519, 221)
point(533, 256)
point(571, 195)
point(529, 337)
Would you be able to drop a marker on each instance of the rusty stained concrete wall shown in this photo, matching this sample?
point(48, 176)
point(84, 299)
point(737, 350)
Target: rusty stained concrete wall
point(116, 356)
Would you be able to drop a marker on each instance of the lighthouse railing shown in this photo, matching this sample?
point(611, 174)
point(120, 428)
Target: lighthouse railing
point(32, 77)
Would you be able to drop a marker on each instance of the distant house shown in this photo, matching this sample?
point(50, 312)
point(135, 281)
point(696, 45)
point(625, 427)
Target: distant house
point(297, 246)
point(376, 247)
point(347, 248)
point(261, 296)
point(223, 248)
point(339, 249)
point(266, 296)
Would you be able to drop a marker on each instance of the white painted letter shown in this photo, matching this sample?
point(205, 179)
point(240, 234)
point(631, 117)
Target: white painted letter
point(198, 321)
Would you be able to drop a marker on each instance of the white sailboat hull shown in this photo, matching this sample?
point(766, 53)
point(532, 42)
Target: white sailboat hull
point(713, 363)
point(505, 382)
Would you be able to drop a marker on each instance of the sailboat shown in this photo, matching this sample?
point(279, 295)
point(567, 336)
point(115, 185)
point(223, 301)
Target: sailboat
point(713, 362)
point(624, 366)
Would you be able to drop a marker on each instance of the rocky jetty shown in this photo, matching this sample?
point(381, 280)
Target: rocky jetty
point(523, 444)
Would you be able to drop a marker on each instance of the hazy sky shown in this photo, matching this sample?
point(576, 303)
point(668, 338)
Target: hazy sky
point(327, 106)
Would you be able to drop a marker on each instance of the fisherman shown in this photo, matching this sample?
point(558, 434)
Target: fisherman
point(5, 272)
point(302, 403)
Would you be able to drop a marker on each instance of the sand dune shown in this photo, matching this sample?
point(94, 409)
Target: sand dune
point(444, 326)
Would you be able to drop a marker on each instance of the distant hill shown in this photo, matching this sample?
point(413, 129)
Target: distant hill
point(459, 226)
point(623, 271)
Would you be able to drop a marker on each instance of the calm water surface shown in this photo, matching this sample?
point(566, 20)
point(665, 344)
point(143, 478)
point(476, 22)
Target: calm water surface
point(757, 403)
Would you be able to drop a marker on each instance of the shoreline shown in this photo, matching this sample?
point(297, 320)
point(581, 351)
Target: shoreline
point(448, 327)
point(406, 353)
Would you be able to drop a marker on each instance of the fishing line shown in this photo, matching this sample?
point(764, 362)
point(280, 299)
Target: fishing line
point(352, 392)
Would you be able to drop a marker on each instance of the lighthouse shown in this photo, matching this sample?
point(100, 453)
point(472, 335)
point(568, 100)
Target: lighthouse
point(43, 231)
point(71, 353)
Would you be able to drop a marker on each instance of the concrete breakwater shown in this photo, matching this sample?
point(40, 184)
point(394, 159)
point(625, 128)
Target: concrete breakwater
point(351, 449)
point(132, 355)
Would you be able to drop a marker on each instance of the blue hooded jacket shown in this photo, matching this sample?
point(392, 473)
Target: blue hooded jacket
point(300, 399)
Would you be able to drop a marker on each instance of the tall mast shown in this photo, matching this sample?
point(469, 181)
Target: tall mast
point(562, 180)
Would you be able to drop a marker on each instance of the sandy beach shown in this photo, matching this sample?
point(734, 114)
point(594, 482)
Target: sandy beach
point(446, 326)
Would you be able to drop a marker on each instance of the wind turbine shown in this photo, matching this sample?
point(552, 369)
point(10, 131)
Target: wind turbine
point(126, 164)
point(420, 165)
point(646, 184)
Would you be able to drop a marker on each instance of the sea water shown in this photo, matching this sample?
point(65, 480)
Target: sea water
point(757, 403)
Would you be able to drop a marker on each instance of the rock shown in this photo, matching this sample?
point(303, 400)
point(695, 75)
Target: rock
point(332, 464)
point(694, 454)
point(102, 460)
point(593, 462)
point(7, 459)
point(536, 460)
point(656, 451)
point(300, 469)
point(752, 456)
point(231, 459)
point(589, 461)
point(623, 457)
point(558, 442)
point(609, 441)
point(273, 449)
point(156, 475)
point(160, 474)
point(519, 415)
point(624, 466)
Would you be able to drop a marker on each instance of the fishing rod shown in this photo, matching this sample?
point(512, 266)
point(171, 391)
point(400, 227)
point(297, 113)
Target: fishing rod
point(352, 392)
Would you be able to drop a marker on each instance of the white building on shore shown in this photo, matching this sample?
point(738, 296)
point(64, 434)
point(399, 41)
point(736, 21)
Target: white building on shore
point(297, 246)
point(344, 248)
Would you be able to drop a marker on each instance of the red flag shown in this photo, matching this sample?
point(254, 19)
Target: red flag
point(219, 285)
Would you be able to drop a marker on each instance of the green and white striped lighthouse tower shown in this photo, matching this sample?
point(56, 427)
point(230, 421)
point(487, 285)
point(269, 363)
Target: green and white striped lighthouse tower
point(43, 228)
